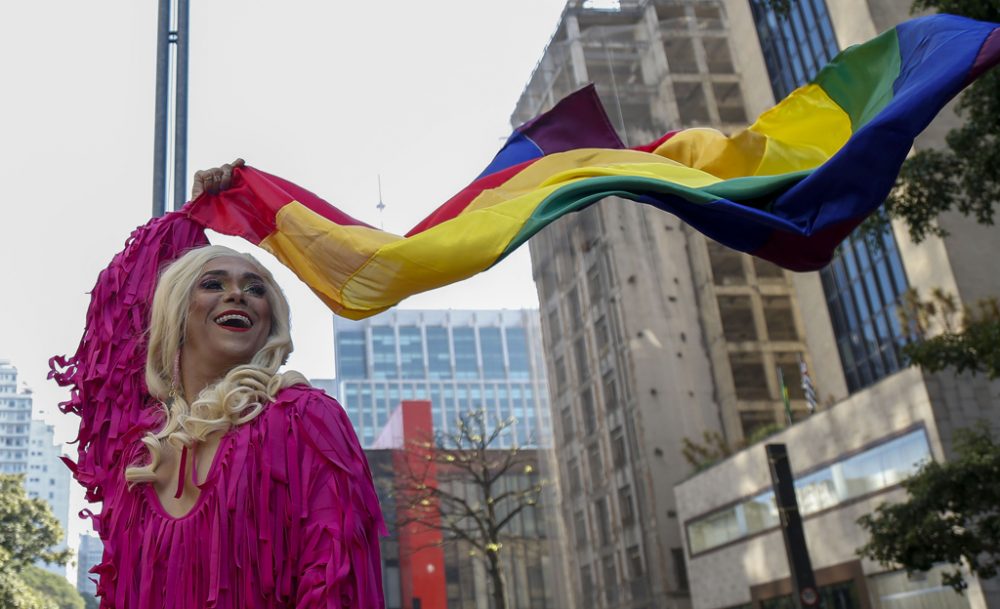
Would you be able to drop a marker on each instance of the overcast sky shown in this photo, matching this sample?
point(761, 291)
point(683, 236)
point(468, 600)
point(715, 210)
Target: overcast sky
point(327, 94)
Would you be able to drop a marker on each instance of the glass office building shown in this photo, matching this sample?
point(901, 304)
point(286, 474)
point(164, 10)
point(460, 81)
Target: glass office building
point(459, 360)
point(865, 282)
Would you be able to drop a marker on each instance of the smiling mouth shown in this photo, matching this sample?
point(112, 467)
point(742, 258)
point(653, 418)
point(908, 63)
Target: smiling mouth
point(234, 321)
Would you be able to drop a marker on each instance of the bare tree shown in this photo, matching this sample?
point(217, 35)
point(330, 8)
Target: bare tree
point(464, 485)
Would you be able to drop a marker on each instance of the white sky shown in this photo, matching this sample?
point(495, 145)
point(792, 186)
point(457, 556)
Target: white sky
point(326, 94)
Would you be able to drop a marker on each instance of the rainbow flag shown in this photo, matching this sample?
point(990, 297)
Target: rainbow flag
point(788, 188)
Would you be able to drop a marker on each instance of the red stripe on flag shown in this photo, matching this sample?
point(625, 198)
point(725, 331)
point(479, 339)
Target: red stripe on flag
point(457, 204)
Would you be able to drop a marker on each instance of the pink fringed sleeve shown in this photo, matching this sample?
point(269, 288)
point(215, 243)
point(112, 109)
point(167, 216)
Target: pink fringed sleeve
point(106, 375)
point(338, 563)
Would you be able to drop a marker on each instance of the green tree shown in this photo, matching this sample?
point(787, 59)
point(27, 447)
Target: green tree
point(946, 336)
point(52, 587)
point(951, 515)
point(28, 532)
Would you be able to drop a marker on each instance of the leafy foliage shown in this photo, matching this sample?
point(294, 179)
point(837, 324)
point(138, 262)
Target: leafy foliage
point(52, 587)
point(714, 447)
point(28, 531)
point(966, 340)
point(951, 516)
point(465, 486)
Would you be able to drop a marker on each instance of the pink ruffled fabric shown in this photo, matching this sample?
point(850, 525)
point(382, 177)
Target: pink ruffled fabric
point(288, 515)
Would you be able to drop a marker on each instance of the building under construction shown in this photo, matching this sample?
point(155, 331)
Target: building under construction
point(655, 333)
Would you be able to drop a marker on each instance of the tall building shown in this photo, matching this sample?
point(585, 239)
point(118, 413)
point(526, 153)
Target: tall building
point(887, 418)
point(48, 479)
point(90, 554)
point(15, 422)
point(654, 332)
point(459, 360)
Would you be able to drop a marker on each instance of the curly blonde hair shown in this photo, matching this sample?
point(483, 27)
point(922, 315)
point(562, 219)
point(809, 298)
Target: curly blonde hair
point(236, 398)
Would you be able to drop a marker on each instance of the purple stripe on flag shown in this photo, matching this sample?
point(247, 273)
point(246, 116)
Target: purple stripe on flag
point(577, 121)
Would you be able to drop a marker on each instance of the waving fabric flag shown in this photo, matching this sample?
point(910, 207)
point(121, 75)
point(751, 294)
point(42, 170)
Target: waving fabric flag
point(788, 188)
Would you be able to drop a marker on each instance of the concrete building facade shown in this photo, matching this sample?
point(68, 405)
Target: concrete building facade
point(15, 422)
point(90, 554)
point(48, 479)
point(654, 333)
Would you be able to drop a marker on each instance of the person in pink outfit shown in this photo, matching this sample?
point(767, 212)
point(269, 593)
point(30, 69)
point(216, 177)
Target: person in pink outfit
point(224, 482)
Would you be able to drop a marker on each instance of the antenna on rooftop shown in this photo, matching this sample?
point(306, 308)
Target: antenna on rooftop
point(381, 206)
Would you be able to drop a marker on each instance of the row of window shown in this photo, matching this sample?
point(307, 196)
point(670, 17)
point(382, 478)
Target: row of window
point(873, 470)
point(369, 406)
point(462, 353)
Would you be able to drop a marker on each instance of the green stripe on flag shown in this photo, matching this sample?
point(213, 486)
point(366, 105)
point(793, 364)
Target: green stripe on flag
point(861, 77)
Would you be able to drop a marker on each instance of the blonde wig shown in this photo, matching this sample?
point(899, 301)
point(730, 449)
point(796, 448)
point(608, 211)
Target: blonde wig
point(233, 400)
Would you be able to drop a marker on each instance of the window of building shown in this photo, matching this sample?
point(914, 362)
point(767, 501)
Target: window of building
point(708, 17)
point(619, 454)
point(575, 312)
point(611, 584)
point(411, 352)
point(767, 271)
point(560, 366)
point(601, 334)
point(351, 359)
point(680, 54)
point(587, 586)
point(595, 284)
point(749, 375)
point(466, 363)
point(575, 478)
point(727, 265)
point(720, 60)
point(626, 505)
point(778, 318)
point(610, 391)
point(736, 313)
point(555, 326)
point(491, 346)
point(864, 285)
point(384, 365)
point(873, 470)
point(691, 103)
point(567, 424)
point(580, 527)
point(729, 101)
point(518, 356)
point(794, 47)
point(594, 462)
point(587, 411)
point(603, 521)
point(580, 353)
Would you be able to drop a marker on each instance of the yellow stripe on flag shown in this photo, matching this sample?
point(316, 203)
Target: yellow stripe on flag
point(802, 132)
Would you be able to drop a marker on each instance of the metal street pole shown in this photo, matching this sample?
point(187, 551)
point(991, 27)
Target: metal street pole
point(166, 36)
point(162, 84)
point(804, 593)
point(181, 105)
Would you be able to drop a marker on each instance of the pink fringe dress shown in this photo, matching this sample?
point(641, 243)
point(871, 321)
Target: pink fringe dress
point(287, 515)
